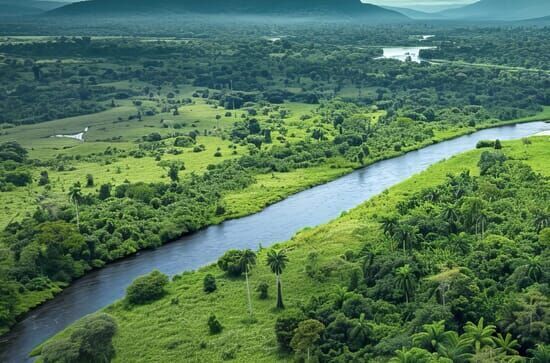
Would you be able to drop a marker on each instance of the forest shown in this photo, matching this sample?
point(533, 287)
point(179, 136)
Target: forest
point(110, 145)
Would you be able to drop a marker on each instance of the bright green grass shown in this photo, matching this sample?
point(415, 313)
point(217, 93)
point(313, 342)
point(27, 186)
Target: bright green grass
point(162, 331)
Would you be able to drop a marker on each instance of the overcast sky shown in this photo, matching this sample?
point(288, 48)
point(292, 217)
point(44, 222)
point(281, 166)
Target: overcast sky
point(422, 4)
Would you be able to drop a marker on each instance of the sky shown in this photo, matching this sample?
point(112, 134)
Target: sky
point(422, 4)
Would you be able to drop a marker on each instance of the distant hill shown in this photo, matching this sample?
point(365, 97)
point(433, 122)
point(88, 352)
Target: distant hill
point(330, 8)
point(26, 7)
point(500, 10)
point(414, 14)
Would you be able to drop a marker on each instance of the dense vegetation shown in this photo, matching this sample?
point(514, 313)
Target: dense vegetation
point(458, 263)
point(179, 126)
point(450, 266)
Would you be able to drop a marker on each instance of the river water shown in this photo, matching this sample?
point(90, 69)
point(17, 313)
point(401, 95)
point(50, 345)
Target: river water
point(278, 222)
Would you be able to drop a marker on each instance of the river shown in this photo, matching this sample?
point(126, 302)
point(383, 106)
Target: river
point(278, 222)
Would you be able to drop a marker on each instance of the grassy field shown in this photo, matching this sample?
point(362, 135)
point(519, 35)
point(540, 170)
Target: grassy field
point(169, 331)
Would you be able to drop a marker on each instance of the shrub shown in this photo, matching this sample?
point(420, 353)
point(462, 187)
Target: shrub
point(147, 288)
point(214, 325)
point(485, 143)
point(90, 341)
point(209, 283)
point(230, 262)
point(285, 326)
point(263, 288)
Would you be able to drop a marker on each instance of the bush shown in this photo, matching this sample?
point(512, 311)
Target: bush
point(147, 288)
point(91, 341)
point(485, 143)
point(230, 262)
point(214, 325)
point(209, 283)
point(285, 326)
point(263, 288)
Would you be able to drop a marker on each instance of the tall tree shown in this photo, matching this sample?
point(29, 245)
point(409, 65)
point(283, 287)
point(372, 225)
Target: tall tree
point(480, 335)
point(306, 335)
point(405, 281)
point(248, 259)
point(75, 196)
point(277, 260)
point(433, 337)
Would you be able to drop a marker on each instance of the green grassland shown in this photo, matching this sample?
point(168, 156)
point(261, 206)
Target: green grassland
point(174, 328)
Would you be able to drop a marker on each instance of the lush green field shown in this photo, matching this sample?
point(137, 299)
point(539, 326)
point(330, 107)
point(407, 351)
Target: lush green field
point(174, 328)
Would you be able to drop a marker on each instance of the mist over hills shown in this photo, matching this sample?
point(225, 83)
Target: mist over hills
point(297, 8)
point(500, 10)
point(26, 7)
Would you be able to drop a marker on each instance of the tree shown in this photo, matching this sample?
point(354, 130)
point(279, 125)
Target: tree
point(306, 335)
point(104, 191)
point(44, 178)
point(507, 344)
point(406, 281)
point(263, 289)
point(456, 348)
point(390, 225)
point(534, 269)
point(248, 258)
point(433, 337)
point(406, 234)
point(147, 288)
point(480, 334)
point(209, 283)
point(277, 260)
point(75, 196)
point(214, 325)
point(173, 172)
point(361, 331)
point(498, 145)
point(89, 180)
point(541, 354)
point(90, 341)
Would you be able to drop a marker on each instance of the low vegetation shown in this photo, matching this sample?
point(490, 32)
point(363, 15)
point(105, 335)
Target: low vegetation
point(450, 265)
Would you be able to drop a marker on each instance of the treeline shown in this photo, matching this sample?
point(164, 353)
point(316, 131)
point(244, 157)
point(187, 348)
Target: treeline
point(458, 273)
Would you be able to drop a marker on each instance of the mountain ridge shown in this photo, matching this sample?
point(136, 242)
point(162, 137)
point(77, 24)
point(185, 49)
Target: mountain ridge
point(352, 8)
point(500, 10)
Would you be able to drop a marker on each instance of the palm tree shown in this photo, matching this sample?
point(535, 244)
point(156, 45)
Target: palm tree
point(361, 331)
point(248, 258)
point(433, 337)
point(541, 354)
point(480, 334)
point(450, 215)
point(456, 348)
point(506, 345)
point(534, 268)
point(403, 356)
point(405, 281)
point(75, 196)
point(389, 225)
point(276, 260)
point(542, 220)
point(406, 234)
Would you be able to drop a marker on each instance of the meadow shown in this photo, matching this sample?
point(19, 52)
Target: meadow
point(174, 328)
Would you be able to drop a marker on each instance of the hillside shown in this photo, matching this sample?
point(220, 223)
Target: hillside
point(414, 14)
point(319, 283)
point(28, 7)
point(501, 10)
point(349, 8)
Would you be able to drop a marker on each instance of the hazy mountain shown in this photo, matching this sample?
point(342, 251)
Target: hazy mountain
point(414, 14)
point(26, 7)
point(501, 10)
point(331, 8)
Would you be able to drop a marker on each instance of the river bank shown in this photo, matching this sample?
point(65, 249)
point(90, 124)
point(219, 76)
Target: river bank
point(161, 324)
